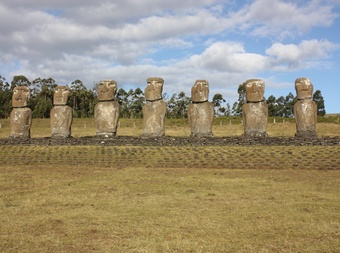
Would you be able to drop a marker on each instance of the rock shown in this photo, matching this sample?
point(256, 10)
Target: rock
point(20, 123)
point(305, 110)
point(154, 89)
point(21, 115)
point(153, 119)
point(255, 117)
point(61, 121)
point(61, 114)
point(200, 111)
point(255, 110)
point(154, 109)
point(106, 112)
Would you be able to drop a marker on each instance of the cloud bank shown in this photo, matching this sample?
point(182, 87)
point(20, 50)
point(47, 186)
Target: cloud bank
point(225, 42)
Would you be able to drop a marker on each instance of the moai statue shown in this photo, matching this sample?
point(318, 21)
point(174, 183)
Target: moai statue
point(61, 114)
point(21, 115)
point(106, 111)
point(200, 111)
point(154, 109)
point(255, 110)
point(305, 109)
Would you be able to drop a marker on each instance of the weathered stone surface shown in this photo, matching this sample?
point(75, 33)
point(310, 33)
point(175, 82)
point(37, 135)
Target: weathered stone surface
point(305, 113)
point(305, 110)
point(255, 117)
point(173, 141)
point(61, 95)
point(61, 121)
point(107, 90)
point(254, 90)
point(304, 88)
point(20, 96)
point(153, 119)
point(106, 115)
point(201, 116)
point(154, 89)
point(200, 91)
point(20, 123)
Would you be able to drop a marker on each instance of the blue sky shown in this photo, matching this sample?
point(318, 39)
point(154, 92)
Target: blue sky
point(224, 42)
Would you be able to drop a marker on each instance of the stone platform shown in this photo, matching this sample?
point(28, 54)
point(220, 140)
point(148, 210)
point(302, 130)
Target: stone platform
point(172, 141)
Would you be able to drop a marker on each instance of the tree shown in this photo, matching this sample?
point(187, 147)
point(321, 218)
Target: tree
point(237, 106)
point(217, 102)
point(318, 99)
point(20, 81)
point(177, 106)
point(122, 99)
point(41, 101)
point(78, 99)
point(5, 98)
point(271, 102)
point(136, 100)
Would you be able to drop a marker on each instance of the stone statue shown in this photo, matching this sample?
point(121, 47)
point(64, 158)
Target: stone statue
point(255, 110)
point(61, 114)
point(21, 115)
point(106, 111)
point(154, 109)
point(305, 109)
point(200, 111)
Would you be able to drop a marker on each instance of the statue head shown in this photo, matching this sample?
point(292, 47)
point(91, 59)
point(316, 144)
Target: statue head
point(254, 90)
point(107, 90)
point(200, 91)
point(154, 89)
point(61, 95)
point(304, 88)
point(21, 95)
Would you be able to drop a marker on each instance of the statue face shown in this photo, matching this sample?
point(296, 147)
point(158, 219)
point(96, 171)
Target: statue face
point(20, 96)
point(61, 95)
point(107, 90)
point(304, 88)
point(200, 91)
point(154, 89)
point(254, 90)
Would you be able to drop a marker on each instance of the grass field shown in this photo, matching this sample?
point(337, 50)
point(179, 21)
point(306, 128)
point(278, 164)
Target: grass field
point(177, 127)
point(49, 208)
point(170, 199)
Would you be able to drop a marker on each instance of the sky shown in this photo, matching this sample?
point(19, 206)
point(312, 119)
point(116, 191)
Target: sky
point(224, 42)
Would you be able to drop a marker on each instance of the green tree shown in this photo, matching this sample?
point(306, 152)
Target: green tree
point(271, 102)
point(177, 106)
point(217, 102)
point(78, 99)
point(41, 101)
point(136, 101)
point(318, 99)
point(122, 99)
point(5, 98)
point(20, 81)
point(237, 106)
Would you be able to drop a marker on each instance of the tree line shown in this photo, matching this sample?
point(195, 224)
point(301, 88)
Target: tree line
point(83, 100)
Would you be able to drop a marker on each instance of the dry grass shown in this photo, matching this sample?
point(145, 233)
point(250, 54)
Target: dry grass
point(174, 127)
point(169, 199)
point(62, 208)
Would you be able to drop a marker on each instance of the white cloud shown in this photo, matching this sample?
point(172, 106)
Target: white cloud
point(127, 40)
point(291, 56)
point(281, 19)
